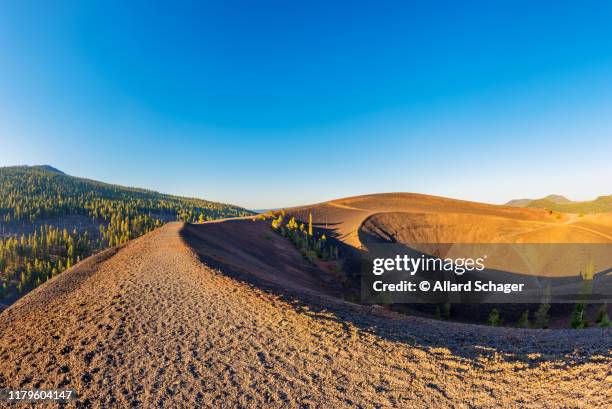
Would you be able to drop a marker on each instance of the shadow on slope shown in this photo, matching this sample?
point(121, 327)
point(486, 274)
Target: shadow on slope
point(250, 252)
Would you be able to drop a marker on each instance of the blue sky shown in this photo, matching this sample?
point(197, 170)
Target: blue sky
point(278, 103)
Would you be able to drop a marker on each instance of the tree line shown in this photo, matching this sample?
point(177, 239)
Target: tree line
point(313, 245)
point(32, 193)
point(34, 250)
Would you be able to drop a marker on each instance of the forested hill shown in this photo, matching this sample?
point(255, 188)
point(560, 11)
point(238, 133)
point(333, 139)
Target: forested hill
point(50, 220)
point(31, 193)
point(602, 204)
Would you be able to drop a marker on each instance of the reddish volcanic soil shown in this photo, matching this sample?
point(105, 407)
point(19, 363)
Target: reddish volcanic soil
point(416, 218)
point(227, 315)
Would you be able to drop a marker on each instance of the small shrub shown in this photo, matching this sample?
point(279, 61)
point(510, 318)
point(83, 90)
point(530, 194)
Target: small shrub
point(523, 321)
point(541, 314)
point(383, 298)
point(579, 320)
point(587, 276)
point(311, 256)
point(446, 312)
point(603, 321)
point(494, 319)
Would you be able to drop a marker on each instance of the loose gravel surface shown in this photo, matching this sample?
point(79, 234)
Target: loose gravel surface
point(151, 325)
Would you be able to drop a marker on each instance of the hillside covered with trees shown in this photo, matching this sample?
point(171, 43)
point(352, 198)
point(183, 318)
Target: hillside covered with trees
point(49, 221)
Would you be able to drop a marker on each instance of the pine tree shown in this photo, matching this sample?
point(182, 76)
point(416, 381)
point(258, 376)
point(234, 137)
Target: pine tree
point(310, 224)
point(603, 320)
point(578, 319)
point(523, 321)
point(446, 312)
point(494, 318)
point(541, 314)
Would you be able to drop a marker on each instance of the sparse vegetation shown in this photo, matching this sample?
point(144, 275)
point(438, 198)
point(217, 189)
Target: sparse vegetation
point(446, 311)
point(599, 205)
point(312, 246)
point(541, 314)
point(578, 318)
point(602, 320)
point(523, 321)
point(494, 318)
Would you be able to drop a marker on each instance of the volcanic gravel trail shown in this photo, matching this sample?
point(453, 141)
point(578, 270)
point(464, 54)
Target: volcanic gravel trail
point(150, 325)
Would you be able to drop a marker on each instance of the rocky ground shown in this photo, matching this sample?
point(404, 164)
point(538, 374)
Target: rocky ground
point(151, 325)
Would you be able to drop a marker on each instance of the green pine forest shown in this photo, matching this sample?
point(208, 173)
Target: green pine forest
point(49, 221)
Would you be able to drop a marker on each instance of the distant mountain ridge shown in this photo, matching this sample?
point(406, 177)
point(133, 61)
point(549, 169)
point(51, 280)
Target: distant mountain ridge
point(47, 168)
point(47, 173)
point(557, 199)
point(559, 203)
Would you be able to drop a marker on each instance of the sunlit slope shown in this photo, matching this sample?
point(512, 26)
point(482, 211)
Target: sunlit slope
point(415, 218)
point(153, 324)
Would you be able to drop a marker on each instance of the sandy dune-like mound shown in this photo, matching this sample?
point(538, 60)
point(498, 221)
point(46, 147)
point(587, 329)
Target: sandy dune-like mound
point(415, 218)
point(515, 239)
point(152, 325)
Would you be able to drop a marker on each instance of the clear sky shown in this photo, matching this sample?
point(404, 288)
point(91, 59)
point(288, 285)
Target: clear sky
point(277, 103)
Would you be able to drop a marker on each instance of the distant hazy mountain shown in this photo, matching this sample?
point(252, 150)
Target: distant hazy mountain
point(562, 204)
point(261, 211)
point(519, 202)
point(556, 199)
